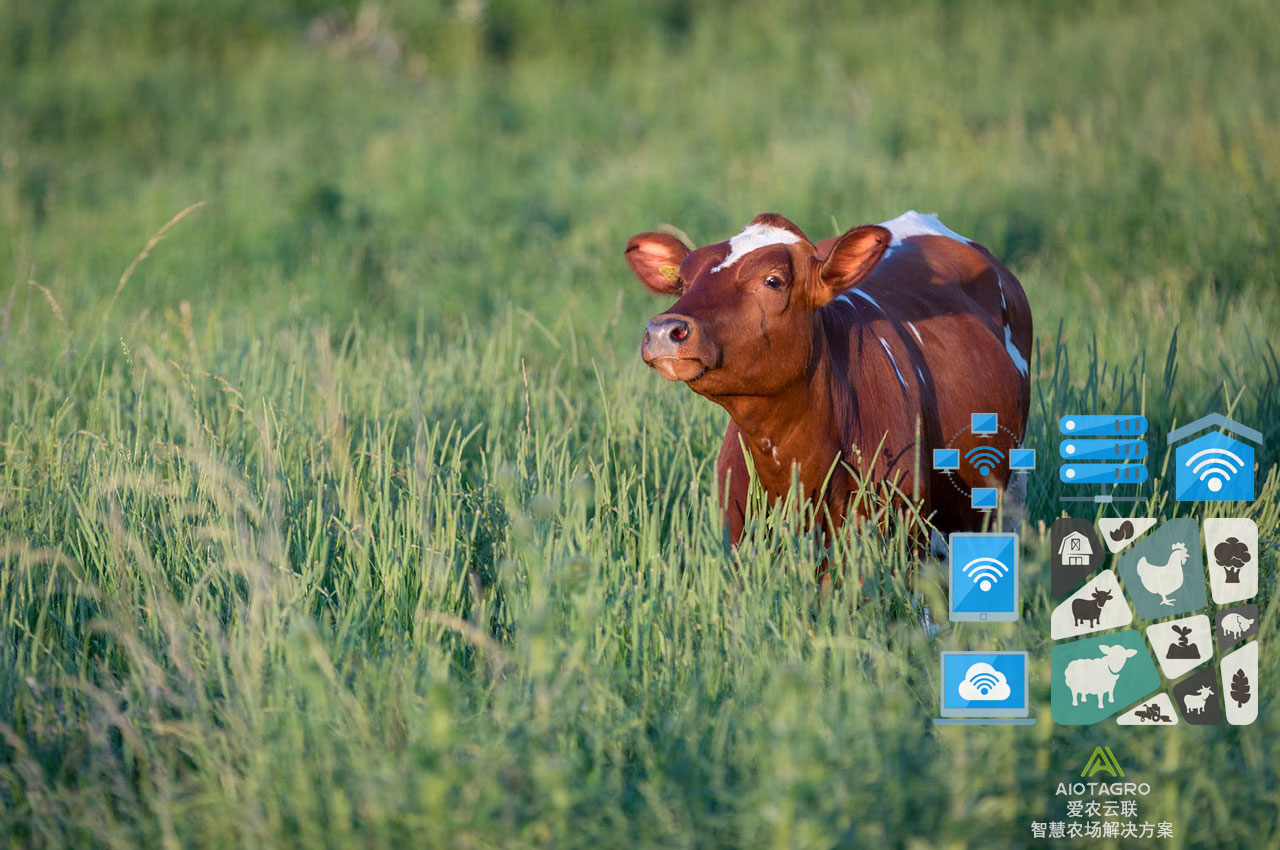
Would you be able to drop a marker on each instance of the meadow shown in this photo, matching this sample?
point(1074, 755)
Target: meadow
point(338, 510)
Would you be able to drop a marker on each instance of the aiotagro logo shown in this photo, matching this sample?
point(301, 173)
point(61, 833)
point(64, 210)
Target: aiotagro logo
point(1102, 760)
point(1100, 809)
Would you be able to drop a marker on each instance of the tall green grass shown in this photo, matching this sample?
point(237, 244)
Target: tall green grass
point(349, 516)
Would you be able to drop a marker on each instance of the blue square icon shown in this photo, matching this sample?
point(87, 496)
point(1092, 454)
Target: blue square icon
point(984, 498)
point(946, 458)
point(1214, 468)
point(984, 576)
point(985, 684)
point(1022, 458)
point(984, 423)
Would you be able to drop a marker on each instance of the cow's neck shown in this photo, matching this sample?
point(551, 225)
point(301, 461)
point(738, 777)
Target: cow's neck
point(798, 425)
point(826, 414)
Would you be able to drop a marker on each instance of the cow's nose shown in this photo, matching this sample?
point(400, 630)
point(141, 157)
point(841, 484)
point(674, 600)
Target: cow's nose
point(664, 335)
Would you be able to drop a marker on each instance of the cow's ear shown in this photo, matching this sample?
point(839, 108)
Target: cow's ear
point(655, 258)
point(852, 256)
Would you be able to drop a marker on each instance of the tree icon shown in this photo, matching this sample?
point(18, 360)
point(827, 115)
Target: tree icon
point(1232, 554)
point(1240, 688)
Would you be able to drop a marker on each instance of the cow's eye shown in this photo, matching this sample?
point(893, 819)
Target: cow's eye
point(773, 282)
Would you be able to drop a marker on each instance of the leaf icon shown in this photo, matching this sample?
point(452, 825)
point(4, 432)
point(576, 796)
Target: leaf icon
point(1240, 688)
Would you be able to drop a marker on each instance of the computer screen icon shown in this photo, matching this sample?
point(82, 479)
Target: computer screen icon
point(983, 424)
point(983, 573)
point(946, 458)
point(984, 498)
point(1022, 459)
point(985, 688)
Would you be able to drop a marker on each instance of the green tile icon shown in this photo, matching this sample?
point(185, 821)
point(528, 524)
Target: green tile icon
point(1094, 678)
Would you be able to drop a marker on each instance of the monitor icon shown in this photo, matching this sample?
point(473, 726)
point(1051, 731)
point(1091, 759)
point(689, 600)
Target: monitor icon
point(983, 424)
point(946, 459)
point(1022, 459)
point(984, 498)
point(985, 688)
point(984, 577)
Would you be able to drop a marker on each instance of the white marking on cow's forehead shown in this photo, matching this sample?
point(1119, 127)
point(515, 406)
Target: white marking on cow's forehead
point(912, 223)
point(753, 237)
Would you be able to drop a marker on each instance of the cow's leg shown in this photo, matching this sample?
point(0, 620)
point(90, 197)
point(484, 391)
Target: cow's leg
point(731, 483)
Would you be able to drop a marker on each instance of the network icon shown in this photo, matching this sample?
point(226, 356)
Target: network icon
point(982, 460)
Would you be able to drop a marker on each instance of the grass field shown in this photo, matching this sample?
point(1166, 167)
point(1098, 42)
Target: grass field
point(345, 513)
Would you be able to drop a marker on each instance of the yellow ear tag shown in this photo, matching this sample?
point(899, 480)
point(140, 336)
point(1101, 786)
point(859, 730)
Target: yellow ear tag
point(670, 272)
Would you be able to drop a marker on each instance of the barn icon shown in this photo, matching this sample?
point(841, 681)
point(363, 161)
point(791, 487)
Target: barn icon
point(1214, 467)
point(1075, 550)
point(1077, 554)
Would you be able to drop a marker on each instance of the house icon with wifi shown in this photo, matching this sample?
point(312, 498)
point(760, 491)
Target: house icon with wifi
point(1214, 467)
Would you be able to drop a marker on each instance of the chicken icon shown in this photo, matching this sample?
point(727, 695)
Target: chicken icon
point(1164, 579)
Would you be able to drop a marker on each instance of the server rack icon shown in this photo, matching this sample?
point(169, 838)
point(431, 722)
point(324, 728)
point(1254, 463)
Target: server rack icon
point(1107, 451)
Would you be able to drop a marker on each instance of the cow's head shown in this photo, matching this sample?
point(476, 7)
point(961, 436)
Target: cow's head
point(745, 316)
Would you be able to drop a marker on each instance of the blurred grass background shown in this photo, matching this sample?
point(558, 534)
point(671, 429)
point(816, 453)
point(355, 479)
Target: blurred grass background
point(349, 516)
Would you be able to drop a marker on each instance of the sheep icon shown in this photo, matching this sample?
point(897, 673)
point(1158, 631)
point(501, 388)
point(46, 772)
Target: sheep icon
point(1235, 625)
point(1087, 677)
point(1195, 702)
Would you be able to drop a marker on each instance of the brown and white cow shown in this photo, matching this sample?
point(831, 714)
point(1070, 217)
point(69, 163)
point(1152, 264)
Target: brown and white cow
point(845, 350)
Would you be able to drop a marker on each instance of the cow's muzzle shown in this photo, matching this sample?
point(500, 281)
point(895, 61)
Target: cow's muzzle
point(669, 347)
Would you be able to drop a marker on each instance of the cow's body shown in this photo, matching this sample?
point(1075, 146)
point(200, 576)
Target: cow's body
point(892, 368)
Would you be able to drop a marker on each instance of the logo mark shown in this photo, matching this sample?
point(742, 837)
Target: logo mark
point(1102, 760)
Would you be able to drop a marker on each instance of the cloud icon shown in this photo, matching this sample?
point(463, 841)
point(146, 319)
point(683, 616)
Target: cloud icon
point(983, 682)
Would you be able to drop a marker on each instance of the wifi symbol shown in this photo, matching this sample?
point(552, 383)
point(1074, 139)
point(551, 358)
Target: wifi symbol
point(1217, 465)
point(985, 572)
point(983, 458)
point(983, 682)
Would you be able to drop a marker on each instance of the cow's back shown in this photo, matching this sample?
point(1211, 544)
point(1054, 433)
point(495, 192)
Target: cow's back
point(939, 330)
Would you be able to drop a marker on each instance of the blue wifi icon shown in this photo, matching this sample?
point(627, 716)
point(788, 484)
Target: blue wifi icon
point(983, 458)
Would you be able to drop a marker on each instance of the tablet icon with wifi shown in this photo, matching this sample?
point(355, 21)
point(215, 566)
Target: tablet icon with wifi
point(984, 576)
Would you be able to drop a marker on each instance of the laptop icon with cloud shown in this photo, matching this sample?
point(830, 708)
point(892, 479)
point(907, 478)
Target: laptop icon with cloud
point(985, 688)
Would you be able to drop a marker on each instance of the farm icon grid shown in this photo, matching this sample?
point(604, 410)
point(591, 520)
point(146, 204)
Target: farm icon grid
point(1186, 669)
